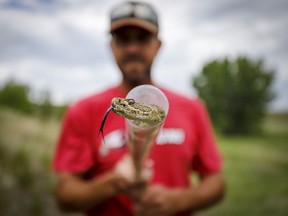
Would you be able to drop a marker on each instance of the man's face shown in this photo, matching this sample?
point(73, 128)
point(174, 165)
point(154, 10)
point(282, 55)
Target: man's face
point(134, 50)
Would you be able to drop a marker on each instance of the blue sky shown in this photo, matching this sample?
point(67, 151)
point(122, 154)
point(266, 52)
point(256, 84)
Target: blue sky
point(63, 46)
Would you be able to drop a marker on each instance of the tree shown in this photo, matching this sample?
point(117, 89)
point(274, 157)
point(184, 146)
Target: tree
point(236, 93)
point(16, 96)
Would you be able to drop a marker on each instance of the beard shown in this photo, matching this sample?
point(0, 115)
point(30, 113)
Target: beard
point(135, 69)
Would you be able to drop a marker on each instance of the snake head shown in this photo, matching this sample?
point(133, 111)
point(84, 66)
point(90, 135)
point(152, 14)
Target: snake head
point(120, 105)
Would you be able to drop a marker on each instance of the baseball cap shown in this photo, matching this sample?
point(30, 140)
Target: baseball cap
point(137, 14)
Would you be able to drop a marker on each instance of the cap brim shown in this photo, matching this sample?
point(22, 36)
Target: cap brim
point(134, 22)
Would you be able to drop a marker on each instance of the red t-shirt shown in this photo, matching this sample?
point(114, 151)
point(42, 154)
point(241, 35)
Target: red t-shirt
point(184, 144)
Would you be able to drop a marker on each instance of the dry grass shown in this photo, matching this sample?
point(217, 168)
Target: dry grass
point(26, 180)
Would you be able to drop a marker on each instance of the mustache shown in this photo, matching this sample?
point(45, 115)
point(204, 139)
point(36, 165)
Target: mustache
point(132, 57)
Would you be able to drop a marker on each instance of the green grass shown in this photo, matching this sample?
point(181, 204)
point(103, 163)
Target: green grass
point(256, 171)
point(256, 168)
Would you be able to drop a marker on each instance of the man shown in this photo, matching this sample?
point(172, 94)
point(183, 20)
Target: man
point(97, 177)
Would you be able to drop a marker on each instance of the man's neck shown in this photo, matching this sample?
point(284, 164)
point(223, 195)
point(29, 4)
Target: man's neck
point(125, 86)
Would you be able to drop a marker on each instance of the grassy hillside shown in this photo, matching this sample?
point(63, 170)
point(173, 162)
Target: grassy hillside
point(256, 168)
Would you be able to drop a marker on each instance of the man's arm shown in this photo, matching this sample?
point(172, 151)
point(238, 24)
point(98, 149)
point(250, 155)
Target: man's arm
point(159, 200)
point(73, 193)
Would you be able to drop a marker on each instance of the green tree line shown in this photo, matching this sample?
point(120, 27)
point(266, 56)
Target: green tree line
point(16, 96)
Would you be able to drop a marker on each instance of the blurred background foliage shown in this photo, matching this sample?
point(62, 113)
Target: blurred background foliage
point(236, 93)
point(17, 96)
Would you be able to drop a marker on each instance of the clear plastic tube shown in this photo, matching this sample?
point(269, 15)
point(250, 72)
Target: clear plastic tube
point(140, 139)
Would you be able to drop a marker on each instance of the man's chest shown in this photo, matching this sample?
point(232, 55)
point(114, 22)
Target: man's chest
point(176, 139)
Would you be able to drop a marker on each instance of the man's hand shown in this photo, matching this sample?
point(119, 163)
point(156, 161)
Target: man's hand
point(125, 172)
point(132, 187)
point(157, 200)
point(160, 200)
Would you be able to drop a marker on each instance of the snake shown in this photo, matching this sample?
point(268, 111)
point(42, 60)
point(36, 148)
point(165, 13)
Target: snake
point(141, 114)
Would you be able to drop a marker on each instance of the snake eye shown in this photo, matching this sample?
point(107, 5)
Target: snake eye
point(123, 103)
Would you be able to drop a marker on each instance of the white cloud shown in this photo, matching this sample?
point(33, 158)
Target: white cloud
point(66, 83)
point(35, 26)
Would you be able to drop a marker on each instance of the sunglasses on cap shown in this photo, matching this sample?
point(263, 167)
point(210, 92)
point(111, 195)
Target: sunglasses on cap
point(140, 13)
